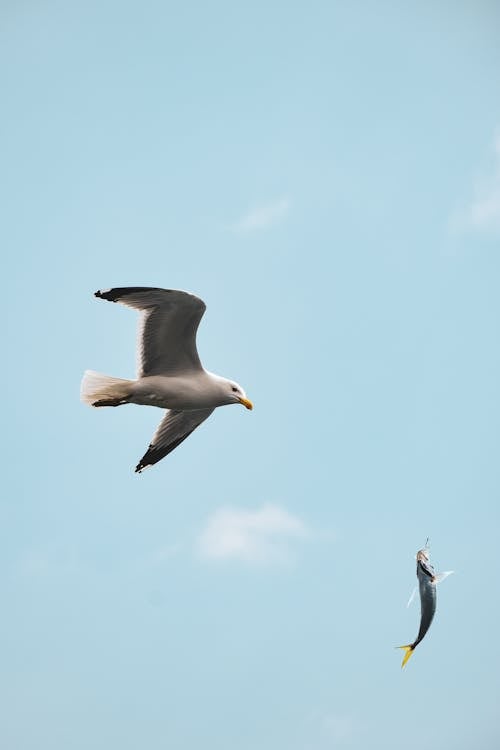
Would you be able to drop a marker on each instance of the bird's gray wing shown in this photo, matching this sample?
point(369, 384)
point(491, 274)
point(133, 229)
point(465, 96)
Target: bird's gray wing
point(167, 328)
point(175, 427)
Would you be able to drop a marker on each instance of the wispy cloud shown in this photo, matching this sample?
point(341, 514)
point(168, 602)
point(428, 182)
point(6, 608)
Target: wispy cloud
point(163, 554)
point(483, 213)
point(263, 216)
point(330, 729)
point(43, 563)
point(337, 729)
point(253, 536)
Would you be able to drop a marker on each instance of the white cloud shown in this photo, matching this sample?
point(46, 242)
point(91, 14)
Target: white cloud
point(164, 554)
point(35, 564)
point(254, 536)
point(337, 729)
point(485, 211)
point(41, 562)
point(483, 214)
point(330, 729)
point(263, 216)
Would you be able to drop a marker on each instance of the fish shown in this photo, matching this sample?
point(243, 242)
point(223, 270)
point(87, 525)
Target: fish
point(427, 581)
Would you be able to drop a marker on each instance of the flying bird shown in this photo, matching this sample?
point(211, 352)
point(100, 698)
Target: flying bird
point(427, 580)
point(169, 372)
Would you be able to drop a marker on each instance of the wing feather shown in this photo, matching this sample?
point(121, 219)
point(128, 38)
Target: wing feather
point(167, 327)
point(175, 427)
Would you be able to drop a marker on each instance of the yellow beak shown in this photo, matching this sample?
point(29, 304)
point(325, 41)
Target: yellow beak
point(246, 403)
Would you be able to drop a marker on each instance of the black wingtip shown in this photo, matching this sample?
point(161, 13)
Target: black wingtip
point(118, 292)
point(105, 294)
point(140, 467)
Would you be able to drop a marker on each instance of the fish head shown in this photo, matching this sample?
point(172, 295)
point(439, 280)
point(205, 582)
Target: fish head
point(423, 555)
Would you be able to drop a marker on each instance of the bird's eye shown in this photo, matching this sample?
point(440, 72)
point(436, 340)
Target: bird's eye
point(234, 389)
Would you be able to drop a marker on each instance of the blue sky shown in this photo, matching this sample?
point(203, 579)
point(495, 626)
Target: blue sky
point(326, 176)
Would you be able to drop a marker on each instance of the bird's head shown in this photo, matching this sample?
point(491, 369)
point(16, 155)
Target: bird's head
point(236, 395)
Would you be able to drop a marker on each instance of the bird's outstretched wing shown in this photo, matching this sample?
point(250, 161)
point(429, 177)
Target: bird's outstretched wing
point(167, 328)
point(175, 427)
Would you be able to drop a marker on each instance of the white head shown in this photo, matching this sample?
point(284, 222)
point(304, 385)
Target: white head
point(232, 393)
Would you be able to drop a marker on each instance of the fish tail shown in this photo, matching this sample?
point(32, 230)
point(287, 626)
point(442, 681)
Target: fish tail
point(408, 652)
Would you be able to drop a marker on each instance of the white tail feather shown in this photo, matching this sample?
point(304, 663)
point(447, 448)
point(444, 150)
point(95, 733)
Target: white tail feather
point(98, 387)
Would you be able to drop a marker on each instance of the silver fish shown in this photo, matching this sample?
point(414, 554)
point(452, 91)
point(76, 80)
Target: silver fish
point(427, 580)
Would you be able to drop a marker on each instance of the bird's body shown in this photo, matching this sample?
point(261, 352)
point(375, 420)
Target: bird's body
point(174, 392)
point(170, 374)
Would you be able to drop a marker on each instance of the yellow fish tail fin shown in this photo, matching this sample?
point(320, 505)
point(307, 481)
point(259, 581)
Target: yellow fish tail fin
point(408, 652)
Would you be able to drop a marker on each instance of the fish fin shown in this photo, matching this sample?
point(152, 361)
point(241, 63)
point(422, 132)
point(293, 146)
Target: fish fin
point(412, 597)
point(441, 576)
point(408, 652)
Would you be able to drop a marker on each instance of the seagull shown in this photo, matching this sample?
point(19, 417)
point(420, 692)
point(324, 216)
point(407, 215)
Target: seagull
point(169, 372)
